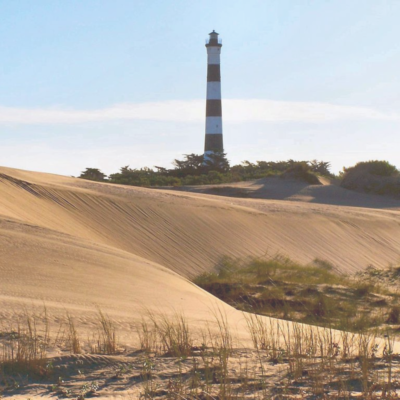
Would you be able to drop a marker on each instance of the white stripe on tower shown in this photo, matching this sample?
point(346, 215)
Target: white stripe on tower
point(213, 140)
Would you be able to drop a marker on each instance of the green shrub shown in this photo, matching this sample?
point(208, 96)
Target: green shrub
point(377, 177)
point(93, 174)
point(301, 171)
point(375, 167)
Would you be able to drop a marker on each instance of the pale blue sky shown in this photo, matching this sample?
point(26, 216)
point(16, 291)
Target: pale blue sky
point(112, 83)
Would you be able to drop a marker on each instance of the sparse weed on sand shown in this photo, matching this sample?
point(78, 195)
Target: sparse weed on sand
point(287, 360)
point(106, 341)
point(312, 361)
point(74, 343)
point(313, 294)
point(25, 344)
point(169, 335)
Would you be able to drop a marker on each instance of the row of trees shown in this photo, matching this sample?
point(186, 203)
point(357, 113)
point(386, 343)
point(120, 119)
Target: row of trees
point(194, 169)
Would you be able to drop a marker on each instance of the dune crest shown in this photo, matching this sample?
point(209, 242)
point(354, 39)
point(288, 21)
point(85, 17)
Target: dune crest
point(82, 243)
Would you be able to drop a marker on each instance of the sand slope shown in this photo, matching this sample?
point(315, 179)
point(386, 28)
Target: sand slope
point(47, 267)
point(76, 242)
point(77, 245)
point(188, 233)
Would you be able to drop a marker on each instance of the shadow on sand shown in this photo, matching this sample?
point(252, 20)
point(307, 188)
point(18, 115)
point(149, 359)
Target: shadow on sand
point(284, 189)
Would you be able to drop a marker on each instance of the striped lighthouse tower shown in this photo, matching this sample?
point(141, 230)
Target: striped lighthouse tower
point(213, 140)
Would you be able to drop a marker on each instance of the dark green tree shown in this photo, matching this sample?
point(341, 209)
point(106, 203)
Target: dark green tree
point(192, 164)
point(93, 174)
point(217, 161)
point(321, 167)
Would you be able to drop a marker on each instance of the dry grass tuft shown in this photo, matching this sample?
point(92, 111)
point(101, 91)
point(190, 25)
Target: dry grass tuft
point(168, 335)
point(106, 342)
point(74, 344)
point(25, 345)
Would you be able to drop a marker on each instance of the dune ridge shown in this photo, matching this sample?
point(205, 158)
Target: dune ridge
point(77, 242)
point(77, 246)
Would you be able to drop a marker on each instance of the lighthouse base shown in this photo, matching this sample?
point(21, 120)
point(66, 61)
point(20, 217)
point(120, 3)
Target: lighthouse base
point(213, 143)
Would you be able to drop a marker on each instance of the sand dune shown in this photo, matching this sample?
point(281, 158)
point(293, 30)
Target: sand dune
point(76, 245)
point(83, 243)
point(40, 266)
point(188, 232)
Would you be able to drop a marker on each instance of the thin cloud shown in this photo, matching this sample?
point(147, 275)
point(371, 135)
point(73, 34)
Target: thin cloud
point(234, 110)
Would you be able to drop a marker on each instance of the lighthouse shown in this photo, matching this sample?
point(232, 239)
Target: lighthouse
point(213, 140)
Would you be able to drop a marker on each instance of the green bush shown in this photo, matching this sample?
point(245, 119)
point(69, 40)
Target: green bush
point(375, 167)
point(301, 171)
point(377, 177)
point(93, 174)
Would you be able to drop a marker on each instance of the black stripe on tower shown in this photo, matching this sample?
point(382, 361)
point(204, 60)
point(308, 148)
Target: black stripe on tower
point(214, 142)
point(214, 108)
point(214, 73)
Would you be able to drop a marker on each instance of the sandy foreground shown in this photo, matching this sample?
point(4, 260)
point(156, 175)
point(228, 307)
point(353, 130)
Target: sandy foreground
point(77, 246)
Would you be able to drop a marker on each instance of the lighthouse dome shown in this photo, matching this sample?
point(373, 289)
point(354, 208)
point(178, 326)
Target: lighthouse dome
point(213, 40)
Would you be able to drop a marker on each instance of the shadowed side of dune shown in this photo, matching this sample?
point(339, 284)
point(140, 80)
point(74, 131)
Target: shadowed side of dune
point(274, 188)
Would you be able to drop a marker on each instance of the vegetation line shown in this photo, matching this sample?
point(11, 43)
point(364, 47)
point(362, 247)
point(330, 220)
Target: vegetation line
point(194, 170)
point(312, 294)
point(377, 177)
